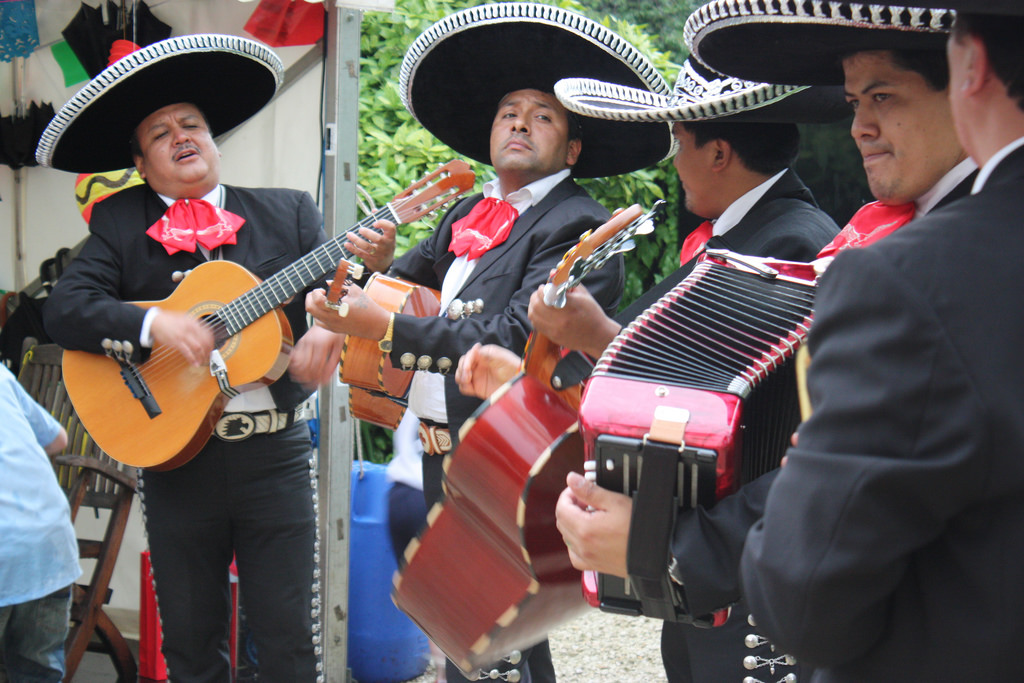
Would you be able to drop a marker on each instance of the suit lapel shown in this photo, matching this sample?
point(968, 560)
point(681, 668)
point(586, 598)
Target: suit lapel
point(788, 186)
point(244, 236)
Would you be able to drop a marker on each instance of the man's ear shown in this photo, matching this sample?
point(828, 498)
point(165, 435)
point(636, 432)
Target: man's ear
point(974, 63)
point(140, 166)
point(573, 154)
point(721, 154)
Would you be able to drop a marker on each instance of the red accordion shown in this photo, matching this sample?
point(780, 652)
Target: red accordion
point(694, 398)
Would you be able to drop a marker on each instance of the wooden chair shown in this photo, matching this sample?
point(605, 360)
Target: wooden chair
point(91, 479)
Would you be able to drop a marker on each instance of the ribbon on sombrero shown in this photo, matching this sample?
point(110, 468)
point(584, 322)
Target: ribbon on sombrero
point(188, 221)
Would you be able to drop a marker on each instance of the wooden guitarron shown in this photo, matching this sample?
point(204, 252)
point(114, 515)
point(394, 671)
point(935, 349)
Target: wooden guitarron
point(497, 519)
point(172, 407)
point(373, 381)
point(694, 398)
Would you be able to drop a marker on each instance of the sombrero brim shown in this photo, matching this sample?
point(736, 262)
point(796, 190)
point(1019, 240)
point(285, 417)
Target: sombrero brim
point(456, 72)
point(804, 43)
point(761, 103)
point(1006, 8)
point(228, 78)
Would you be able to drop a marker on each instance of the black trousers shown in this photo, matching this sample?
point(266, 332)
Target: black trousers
point(251, 500)
point(536, 665)
point(715, 655)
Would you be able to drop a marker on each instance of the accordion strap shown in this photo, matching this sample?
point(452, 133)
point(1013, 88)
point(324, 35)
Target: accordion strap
point(647, 552)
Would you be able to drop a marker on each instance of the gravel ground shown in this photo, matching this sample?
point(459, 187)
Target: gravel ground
point(602, 648)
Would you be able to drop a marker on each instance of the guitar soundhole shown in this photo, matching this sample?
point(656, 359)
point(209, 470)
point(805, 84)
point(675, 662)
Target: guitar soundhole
point(223, 341)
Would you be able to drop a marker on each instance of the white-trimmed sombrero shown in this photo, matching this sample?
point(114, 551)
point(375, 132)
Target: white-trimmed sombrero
point(701, 95)
point(804, 41)
point(228, 78)
point(456, 72)
point(1006, 8)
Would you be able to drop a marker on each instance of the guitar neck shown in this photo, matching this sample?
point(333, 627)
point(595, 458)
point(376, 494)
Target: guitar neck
point(283, 285)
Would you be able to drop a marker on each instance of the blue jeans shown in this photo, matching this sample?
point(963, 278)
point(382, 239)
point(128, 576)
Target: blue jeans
point(32, 639)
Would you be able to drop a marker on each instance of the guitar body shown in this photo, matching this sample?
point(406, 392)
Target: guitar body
point(539, 361)
point(365, 366)
point(374, 408)
point(497, 521)
point(189, 397)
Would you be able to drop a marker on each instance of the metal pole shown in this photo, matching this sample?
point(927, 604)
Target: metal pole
point(341, 117)
point(20, 188)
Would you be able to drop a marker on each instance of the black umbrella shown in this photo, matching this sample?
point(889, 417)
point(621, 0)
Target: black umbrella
point(90, 38)
point(19, 135)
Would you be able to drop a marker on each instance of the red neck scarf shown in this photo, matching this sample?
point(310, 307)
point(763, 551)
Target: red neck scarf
point(873, 222)
point(695, 241)
point(188, 221)
point(486, 226)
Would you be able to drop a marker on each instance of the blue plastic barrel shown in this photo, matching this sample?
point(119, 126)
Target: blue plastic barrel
point(384, 646)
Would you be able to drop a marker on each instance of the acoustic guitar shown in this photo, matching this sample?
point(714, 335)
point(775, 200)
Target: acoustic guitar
point(493, 535)
point(176, 405)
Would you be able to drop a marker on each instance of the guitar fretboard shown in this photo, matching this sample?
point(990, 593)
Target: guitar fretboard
point(283, 285)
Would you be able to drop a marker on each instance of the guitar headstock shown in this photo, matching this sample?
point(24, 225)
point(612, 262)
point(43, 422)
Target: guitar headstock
point(343, 277)
point(590, 241)
point(433, 191)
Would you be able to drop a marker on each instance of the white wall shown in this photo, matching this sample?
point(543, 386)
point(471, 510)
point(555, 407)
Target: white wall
point(279, 147)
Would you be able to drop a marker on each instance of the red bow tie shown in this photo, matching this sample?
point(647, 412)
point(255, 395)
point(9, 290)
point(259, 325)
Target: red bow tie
point(871, 223)
point(486, 226)
point(188, 221)
point(695, 241)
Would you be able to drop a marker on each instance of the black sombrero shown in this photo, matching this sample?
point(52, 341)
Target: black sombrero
point(702, 95)
point(456, 72)
point(803, 41)
point(229, 78)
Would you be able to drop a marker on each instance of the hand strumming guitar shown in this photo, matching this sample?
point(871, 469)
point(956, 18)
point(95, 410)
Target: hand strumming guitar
point(314, 360)
point(581, 325)
point(183, 333)
point(484, 368)
point(375, 247)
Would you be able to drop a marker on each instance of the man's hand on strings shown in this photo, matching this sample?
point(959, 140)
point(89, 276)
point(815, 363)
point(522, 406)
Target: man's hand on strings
point(580, 325)
point(186, 335)
point(483, 369)
point(594, 523)
point(376, 247)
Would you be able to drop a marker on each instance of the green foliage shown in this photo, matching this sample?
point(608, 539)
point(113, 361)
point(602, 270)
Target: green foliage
point(662, 19)
point(395, 151)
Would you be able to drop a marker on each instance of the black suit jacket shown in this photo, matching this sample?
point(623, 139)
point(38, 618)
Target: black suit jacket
point(119, 263)
point(889, 546)
point(504, 278)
